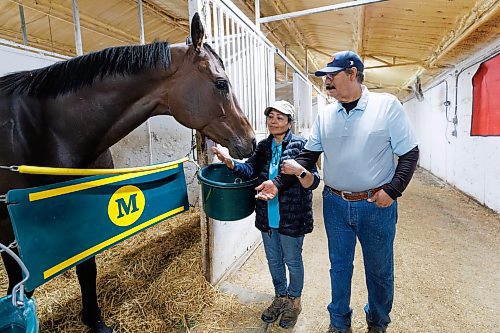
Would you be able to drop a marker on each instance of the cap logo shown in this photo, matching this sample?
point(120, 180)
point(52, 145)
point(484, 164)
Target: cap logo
point(351, 63)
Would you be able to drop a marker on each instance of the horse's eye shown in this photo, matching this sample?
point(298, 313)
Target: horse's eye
point(221, 85)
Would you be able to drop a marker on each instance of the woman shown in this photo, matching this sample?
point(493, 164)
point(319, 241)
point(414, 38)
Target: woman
point(286, 218)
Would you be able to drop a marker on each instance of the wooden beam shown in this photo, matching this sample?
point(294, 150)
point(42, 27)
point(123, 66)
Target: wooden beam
point(410, 81)
point(160, 13)
point(37, 42)
point(344, 5)
point(65, 14)
point(396, 65)
point(359, 32)
point(321, 52)
point(279, 7)
point(379, 60)
point(480, 13)
point(405, 58)
point(277, 39)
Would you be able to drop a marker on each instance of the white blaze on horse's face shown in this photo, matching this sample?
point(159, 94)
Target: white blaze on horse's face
point(203, 98)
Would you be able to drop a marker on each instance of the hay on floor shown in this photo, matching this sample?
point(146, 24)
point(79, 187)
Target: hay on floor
point(152, 282)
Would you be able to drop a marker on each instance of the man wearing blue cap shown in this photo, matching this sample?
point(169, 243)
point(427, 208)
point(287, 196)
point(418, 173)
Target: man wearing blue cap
point(359, 136)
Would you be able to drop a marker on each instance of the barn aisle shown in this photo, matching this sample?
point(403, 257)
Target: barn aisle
point(447, 267)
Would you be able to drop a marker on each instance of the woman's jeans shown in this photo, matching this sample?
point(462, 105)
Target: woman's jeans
point(375, 227)
point(280, 250)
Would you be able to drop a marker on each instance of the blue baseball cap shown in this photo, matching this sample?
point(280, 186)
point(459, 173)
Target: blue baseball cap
point(340, 61)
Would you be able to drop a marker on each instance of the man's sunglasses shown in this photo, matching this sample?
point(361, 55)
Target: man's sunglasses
point(331, 76)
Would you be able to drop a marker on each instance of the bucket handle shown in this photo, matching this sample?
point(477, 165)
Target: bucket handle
point(18, 288)
point(210, 190)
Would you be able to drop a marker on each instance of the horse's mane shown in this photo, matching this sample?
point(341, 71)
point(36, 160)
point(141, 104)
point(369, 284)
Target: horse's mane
point(70, 75)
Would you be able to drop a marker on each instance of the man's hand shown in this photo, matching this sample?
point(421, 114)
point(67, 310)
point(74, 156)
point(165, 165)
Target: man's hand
point(266, 191)
point(291, 167)
point(381, 199)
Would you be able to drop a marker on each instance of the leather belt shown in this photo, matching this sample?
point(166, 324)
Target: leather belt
point(355, 196)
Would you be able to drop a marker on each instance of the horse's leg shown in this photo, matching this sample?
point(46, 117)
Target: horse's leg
point(87, 273)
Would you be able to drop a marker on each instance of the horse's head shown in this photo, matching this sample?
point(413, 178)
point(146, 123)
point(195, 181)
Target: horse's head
point(201, 96)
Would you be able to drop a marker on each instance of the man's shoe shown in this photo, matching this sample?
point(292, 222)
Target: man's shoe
point(376, 330)
point(274, 310)
point(332, 329)
point(291, 312)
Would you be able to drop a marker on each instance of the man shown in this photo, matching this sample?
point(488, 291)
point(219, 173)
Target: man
point(359, 136)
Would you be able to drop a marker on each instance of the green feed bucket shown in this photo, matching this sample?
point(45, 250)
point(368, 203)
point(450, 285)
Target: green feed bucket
point(226, 197)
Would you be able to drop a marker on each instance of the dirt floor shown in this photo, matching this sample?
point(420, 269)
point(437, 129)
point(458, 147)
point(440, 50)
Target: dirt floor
point(447, 276)
point(447, 267)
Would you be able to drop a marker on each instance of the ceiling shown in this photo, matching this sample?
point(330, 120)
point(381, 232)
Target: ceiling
point(398, 39)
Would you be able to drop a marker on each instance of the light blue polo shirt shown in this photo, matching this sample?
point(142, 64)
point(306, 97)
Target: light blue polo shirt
point(359, 146)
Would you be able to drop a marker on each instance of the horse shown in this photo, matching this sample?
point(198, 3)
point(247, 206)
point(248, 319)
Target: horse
point(68, 115)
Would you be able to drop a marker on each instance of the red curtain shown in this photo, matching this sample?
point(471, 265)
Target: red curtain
point(486, 102)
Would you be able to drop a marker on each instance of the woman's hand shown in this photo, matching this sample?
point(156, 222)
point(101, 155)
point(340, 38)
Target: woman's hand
point(223, 157)
point(266, 191)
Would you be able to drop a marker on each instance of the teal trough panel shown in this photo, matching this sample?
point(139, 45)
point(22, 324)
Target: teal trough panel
point(60, 225)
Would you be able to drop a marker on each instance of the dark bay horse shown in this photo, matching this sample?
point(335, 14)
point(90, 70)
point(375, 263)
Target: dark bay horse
point(69, 114)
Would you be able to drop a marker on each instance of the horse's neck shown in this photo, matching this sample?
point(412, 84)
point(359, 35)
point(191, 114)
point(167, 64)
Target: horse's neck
point(98, 116)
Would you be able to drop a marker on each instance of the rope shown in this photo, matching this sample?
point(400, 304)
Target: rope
point(36, 170)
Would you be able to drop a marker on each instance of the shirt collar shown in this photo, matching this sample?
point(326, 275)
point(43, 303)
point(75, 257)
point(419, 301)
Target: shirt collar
point(286, 139)
point(363, 101)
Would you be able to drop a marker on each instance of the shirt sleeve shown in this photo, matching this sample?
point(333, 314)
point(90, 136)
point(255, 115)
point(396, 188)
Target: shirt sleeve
point(402, 136)
point(316, 180)
point(249, 168)
point(314, 141)
point(404, 172)
point(308, 160)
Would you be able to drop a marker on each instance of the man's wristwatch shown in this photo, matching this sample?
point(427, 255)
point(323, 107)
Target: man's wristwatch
point(302, 174)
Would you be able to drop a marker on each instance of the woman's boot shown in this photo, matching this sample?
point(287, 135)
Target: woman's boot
point(291, 312)
point(275, 309)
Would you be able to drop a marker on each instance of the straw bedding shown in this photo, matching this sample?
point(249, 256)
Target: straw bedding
point(150, 283)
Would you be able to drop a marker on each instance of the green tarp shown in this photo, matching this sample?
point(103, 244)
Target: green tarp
point(59, 225)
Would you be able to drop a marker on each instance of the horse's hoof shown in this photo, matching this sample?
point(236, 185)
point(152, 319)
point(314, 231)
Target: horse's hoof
point(100, 327)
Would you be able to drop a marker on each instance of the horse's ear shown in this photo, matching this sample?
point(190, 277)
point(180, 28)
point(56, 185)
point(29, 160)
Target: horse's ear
point(197, 32)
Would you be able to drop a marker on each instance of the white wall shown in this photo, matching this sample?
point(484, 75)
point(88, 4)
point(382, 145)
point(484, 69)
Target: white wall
point(233, 241)
point(14, 60)
point(470, 163)
point(170, 140)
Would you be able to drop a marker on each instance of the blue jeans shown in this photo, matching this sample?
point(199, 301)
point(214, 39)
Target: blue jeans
point(375, 227)
point(280, 250)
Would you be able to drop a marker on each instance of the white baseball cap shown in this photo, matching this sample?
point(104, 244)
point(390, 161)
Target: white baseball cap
point(283, 107)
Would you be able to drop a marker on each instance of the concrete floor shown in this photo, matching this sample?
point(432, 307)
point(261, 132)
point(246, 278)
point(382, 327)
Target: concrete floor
point(447, 267)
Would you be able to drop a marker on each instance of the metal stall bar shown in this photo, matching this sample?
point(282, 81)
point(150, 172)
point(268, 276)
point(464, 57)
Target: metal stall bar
point(23, 24)
point(141, 24)
point(78, 32)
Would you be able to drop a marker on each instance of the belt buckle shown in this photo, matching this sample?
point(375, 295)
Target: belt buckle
point(342, 195)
